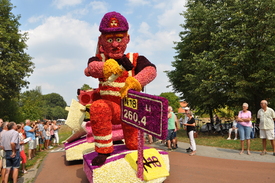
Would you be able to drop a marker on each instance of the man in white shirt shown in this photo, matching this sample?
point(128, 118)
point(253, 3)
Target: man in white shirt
point(2, 152)
point(11, 145)
point(267, 117)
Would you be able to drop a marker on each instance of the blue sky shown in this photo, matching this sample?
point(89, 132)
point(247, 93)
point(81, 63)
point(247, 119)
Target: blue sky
point(63, 36)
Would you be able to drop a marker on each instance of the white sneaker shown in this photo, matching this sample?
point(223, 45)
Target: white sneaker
point(228, 138)
point(235, 139)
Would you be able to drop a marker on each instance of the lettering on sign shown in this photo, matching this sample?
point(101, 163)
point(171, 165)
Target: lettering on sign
point(146, 112)
point(148, 108)
point(150, 161)
point(130, 102)
point(133, 116)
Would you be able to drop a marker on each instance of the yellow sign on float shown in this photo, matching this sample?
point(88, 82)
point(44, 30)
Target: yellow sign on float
point(153, 164)
point(130, 102)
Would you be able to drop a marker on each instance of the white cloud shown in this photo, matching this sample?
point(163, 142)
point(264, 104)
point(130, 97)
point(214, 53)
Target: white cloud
point(159, 42)
point(35, 19)
point(65, 31)
point(79, 12)
point(99, 6)
point(46, 86)
point(61, 47)
point(61, 3)
point(171, 16)
point(138, 2)
point(158, 86)
point(151, 41)
point(161, 5)
point(144, 29)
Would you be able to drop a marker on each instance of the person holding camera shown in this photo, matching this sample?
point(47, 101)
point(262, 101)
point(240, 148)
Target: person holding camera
point(190, 133)
point(30, 133)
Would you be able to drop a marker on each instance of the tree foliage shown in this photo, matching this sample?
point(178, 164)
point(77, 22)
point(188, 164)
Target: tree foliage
point(54, 99)
point(172, 99)
point(226, 54)
point(55, 106)
point(15, 63)
point(32, 105)
point(9, 110)
point(86, 87)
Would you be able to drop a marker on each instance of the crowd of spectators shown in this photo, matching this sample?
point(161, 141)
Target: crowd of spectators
point(36, 135)
point(242, 126)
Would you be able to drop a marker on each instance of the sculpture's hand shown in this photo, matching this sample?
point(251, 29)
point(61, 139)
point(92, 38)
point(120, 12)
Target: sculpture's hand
point(130, 83)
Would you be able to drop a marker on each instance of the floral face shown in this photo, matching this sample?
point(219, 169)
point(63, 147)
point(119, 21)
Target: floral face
point(113, 45)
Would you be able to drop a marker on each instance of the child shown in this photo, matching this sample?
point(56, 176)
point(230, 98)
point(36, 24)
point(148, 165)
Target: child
point(22, 152)
point(234, 127)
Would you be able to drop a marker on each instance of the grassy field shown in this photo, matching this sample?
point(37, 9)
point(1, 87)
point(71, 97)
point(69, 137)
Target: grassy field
point(64, 132)
point(216, 140)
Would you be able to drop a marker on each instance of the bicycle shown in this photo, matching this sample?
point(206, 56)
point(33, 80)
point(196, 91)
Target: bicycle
point(226, 126)
point(205, 128)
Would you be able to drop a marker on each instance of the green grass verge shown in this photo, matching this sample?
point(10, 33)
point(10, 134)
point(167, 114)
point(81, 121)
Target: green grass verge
point(64, 132)
point(216, 140)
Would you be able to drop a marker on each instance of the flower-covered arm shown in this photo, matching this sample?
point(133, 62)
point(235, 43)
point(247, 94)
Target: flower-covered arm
point(94, 68)
point(145, 72)
point(147, 75)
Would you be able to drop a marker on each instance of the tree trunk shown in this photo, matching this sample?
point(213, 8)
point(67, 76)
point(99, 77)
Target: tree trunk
point(211, 115)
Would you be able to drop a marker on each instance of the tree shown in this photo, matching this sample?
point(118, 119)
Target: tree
point(15, 64)
point(86, 87)
point(191, 77)
point(54, 106)
point(226, 54)
point(59, 113)
point(172, 99)
point(9, 110)
point(244, 51)
point(54, 99)
point(32, 105)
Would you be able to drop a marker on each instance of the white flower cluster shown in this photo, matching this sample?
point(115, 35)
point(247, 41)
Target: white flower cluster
point(76, 152)
point(120, 171)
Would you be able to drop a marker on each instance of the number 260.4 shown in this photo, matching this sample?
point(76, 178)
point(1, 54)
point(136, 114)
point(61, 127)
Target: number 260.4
point(134, 116)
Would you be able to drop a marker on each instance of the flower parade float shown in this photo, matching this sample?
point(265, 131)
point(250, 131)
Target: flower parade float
point(118, 101)
point(81, 141)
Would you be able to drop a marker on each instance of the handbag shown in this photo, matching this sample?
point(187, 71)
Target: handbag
point(195, 134)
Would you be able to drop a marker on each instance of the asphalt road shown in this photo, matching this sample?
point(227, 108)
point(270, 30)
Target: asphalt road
point(183, 168)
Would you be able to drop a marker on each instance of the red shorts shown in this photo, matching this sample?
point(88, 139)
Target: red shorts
point(23, 156)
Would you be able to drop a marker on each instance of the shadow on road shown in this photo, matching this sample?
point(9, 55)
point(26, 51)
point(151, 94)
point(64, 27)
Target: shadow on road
point(70, 163)
point(80, 174)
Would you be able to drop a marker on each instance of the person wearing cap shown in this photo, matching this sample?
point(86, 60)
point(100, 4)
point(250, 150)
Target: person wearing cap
point(267, 118)
point(190, 128)
point(117, 72)
point(186, 119)
point(245, 127)
point(186, 110)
